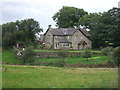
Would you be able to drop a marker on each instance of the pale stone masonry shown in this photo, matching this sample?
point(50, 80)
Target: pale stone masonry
point(67, 38)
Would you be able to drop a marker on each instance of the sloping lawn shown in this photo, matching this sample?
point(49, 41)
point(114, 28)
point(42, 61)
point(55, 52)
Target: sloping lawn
point(9, 57)
point(45, 50)
point(77, 60)
point(54, 77)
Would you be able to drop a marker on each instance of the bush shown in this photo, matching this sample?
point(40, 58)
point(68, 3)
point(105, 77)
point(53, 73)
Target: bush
point(61, 61)
point(107, 51)
point(28, 55)
point(87, 54)
point(116, 55)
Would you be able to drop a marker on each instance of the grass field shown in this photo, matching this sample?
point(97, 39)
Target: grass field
point(9, 57)
point(77, 60)
point(54, 77)
point(44, 50)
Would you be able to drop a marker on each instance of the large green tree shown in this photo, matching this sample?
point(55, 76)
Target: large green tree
point(68, 17)
point(107, 30)
point(90, 20)
point(104, 27)
point(22, 31)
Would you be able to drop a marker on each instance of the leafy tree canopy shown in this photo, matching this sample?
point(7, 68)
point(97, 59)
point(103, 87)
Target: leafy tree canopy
point(68, 17)
point(22, 31)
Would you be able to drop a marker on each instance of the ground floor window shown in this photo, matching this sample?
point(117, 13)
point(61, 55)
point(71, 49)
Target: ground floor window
point(65, 44)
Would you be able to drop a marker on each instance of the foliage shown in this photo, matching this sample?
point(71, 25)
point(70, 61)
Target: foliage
point(87, 54)
point(116, 55)
point(68, 16)
point(107, 50)
point(98, 59)
point(90, 20)
point(28, 55)
point(9, 57)
point(62, 55)
point(20, 32)
point(39, 47)
point(106, 32)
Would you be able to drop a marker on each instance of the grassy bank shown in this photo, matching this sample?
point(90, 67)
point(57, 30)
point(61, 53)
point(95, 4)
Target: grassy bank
point(77, 60)
point(53, 77)
point(9, 57)
point(45, 50)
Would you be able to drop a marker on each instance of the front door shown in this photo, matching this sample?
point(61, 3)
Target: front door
point(80, 47)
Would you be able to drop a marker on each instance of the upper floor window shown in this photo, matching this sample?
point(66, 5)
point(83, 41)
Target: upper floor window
point(76, 36)
point(56, 36)
point(48, 35)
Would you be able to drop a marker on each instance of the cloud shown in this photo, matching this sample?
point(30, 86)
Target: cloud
point(43, 10)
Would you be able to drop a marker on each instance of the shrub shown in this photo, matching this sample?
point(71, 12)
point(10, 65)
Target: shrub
point(61, 61)
point(116, 55)
point(107, 51)
point(87, 54)
point(28, 55)
point(62, 54)
point(39, 46)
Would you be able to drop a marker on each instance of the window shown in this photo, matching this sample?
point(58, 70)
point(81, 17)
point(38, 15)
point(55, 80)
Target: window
point(56, 37)
point(76, 36)
point(57, 44)
point(68, 37)
point(65, 44)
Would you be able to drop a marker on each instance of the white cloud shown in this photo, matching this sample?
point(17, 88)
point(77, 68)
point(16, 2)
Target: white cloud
point(43, 10)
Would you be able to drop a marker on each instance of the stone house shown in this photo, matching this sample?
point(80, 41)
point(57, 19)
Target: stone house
point(69, 38)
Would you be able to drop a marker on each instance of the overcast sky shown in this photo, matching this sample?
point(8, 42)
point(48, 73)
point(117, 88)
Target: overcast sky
point(43, 10)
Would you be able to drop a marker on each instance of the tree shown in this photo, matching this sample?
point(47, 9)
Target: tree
point(20, 31)
point(108, 29)
point(87, 54)
point(68, 17)
point(8, 35)
point(104, 27)
point(90, 20)
point(30, 27)
point(62, 55)
point(28, 55)
point(116, 55)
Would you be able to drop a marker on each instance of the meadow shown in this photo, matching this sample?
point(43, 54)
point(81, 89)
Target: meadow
point(9, 57)
point(25, 76)
point(77, 60)
point(20, 76)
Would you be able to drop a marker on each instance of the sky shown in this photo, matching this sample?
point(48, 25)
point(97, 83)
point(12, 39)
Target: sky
point(43, 10)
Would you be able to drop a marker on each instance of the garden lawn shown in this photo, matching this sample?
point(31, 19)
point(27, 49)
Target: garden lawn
point(9, 57)
point(98, 59)
point(54, 77)
point(45, 50)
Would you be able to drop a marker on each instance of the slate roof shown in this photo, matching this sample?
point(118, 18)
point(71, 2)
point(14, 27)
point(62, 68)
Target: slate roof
point(67, 31)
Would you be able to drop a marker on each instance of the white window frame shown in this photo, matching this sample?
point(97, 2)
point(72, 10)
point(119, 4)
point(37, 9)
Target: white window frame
point(65, 44)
